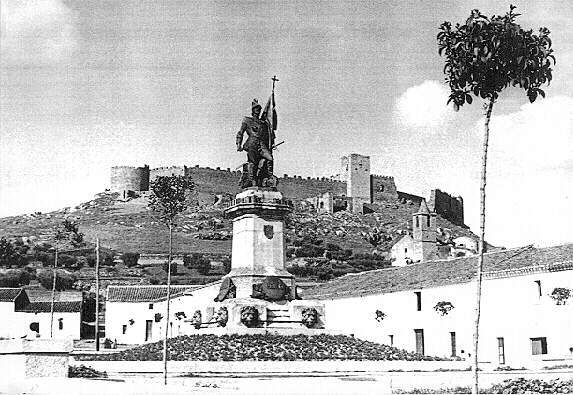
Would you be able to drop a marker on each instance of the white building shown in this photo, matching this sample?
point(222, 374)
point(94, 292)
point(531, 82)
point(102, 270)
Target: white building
point(135, 314)
point(521, 324)
point(21, 307)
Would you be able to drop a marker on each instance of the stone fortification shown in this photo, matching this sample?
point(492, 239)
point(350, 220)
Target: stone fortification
point(449, 207)
point(382, 188)
point(129, 178)
point(362, 186)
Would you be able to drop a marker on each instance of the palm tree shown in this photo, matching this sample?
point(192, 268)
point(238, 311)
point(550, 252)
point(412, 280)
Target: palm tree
point(483, 57)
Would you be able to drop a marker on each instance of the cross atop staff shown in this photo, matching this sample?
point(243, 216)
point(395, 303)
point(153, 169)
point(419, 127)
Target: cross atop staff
point(275, 79)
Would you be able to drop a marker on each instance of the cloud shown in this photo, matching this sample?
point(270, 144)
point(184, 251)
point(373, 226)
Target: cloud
point(36, 32)
point(538, 136)
point(530, 173)
point(424, 107)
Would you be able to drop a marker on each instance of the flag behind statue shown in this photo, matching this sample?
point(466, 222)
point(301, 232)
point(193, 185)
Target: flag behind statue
point(270, 116)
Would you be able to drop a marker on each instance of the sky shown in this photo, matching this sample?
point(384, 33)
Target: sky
point(86, 85)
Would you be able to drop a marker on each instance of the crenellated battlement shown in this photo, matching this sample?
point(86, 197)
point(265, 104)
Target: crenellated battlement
point(219, 181)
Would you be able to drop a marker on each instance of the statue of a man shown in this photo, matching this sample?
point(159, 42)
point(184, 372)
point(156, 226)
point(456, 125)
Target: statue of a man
point(259, 152)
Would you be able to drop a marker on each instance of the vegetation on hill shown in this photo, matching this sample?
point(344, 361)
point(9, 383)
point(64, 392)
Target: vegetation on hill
point(267, 347)
point(319, 246)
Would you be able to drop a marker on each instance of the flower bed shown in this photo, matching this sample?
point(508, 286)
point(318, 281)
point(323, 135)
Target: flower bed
point(513, 386)
point(263, 348)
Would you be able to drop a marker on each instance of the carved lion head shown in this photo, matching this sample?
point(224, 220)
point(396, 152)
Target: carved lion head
point(249, 316)
point(309, 317)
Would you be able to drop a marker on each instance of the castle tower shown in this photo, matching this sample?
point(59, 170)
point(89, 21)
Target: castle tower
point(424, 233)
point(356, 173)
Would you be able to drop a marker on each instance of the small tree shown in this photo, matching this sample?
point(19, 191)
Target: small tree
point(66, 234)
point(483, 57)
point(169, 198)
point(130, 259)
point(10, 254)
point(63, 280)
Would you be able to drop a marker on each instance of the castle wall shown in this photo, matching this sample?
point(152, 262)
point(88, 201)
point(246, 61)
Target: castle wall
point(167, 171)
point(449, 207)
point(382, 188)
point(129, 178)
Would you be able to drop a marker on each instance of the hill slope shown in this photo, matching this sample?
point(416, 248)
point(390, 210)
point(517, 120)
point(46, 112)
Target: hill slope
point(129, 226)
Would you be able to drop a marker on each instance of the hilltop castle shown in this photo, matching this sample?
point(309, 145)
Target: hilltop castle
point(355, 189)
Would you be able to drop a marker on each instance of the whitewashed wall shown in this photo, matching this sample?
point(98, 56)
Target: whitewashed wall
point(17, 324)
point(511, 308)
point(119, 313)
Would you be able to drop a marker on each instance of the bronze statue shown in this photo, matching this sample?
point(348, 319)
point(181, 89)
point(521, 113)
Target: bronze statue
point(259, 145)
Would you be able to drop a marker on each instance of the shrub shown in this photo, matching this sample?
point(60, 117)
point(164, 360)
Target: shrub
point(333, 247)
point(64, 279)
point(104, 259)
point(67, 261)
point(324, 273)
point(130, 259)
point(309, 250)
point(165, 267)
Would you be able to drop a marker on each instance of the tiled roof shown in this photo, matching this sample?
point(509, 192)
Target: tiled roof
point(9, 294)
point(144, 293)
point(45, 307)
point(45, 295)
point(429, 274)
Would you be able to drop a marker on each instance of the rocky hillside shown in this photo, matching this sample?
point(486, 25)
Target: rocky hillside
point(128, 226)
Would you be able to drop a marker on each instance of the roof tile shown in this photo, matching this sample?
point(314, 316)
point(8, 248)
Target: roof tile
point(438, 273)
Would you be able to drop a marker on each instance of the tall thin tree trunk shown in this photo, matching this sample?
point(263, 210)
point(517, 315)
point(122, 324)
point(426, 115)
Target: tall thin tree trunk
point(168, 303)
point(53, 292)
point(489, 108)
point(97, 296)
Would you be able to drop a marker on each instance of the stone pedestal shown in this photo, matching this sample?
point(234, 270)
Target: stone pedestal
point(259, 256)
point(258, 216)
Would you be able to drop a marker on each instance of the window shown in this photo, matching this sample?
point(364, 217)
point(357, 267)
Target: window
point(150, 306)
point(538, 345)
point(418, 301)
point(405, 250)
point(123, 329)
point(538, 283)
point(428, 221)
point(453, 343)
point(321, 204)
point(419, 341)
point(391, 339)
point(501, 350)
point(417, 222)
point(60, 323)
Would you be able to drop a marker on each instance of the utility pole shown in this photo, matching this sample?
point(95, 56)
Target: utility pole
point(169, 259)
point(53, 292)
point(97, 296)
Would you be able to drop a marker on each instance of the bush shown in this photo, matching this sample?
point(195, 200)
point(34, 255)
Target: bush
point(262, 347)
point(333, 247)
point(309, 250)
point(67, 261)
point(104, 259)
point(14, 278)
point(130, 259)
point(204, 267)
point(324, 273)
point(165, 267)
point(64, 279)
